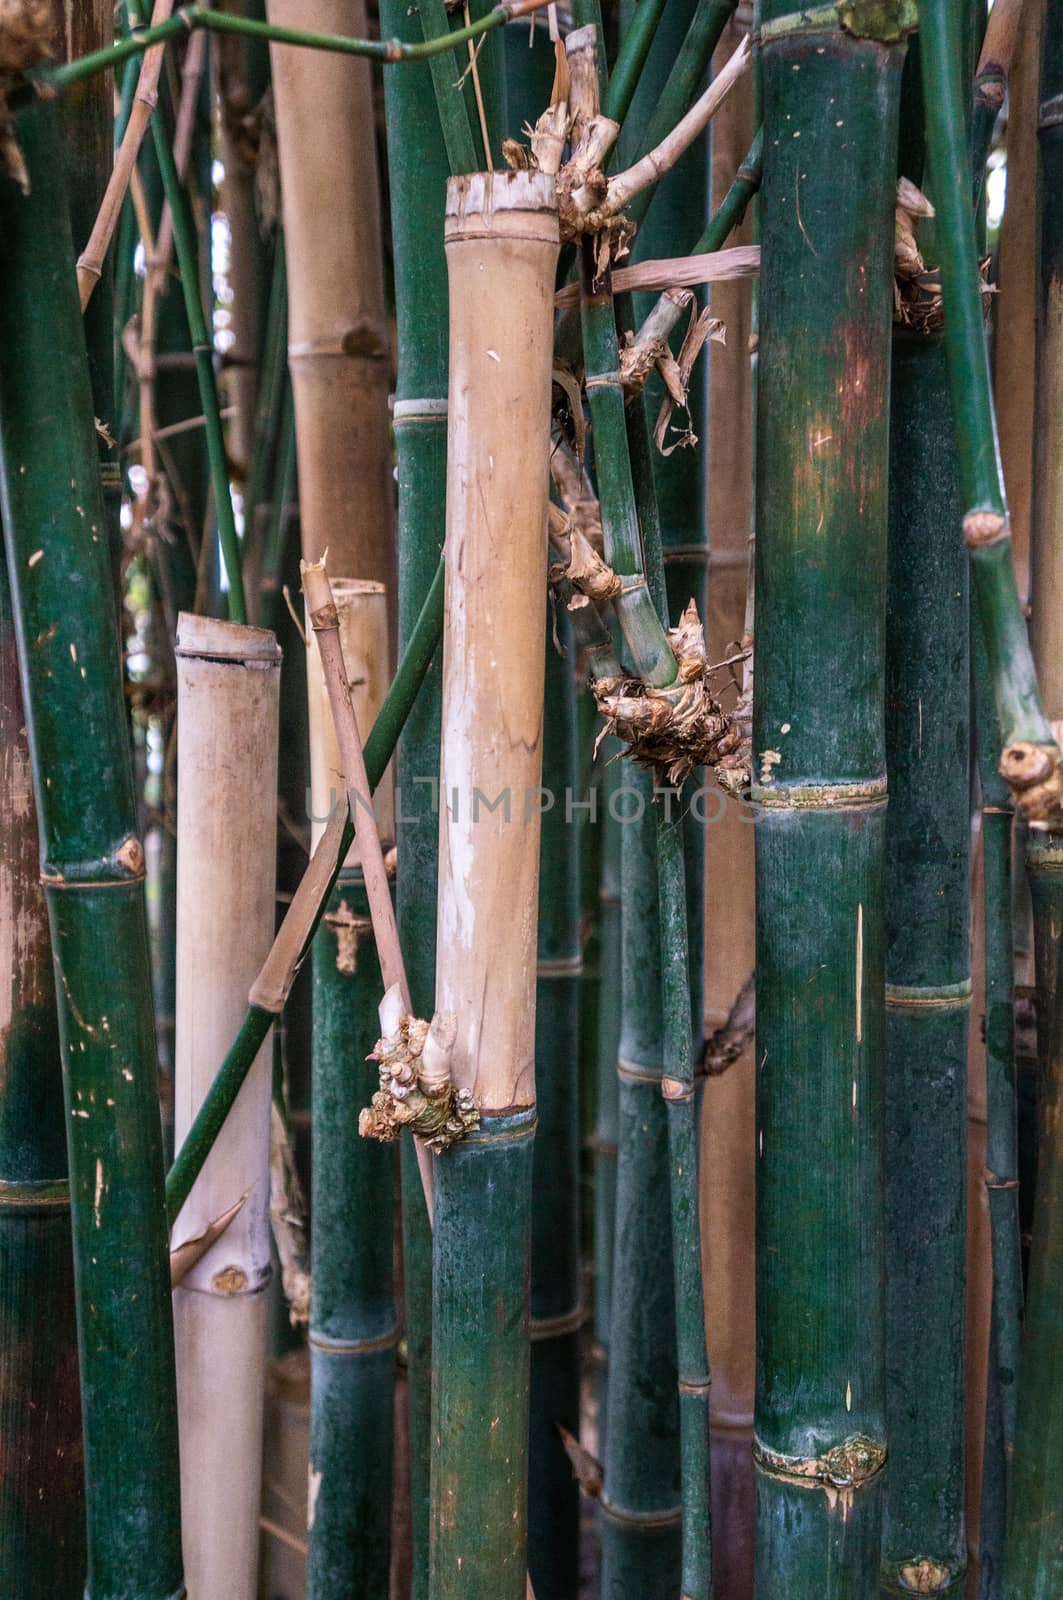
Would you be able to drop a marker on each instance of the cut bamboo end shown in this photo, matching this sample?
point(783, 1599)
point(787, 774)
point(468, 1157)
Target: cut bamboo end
point(228, 686)
point(362, 617)
point(502, 243)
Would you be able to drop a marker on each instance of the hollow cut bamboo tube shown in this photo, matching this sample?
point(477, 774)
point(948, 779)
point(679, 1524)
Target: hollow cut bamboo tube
point(338, 348)
point(501, 235)
point(228, 687)
point(353, 1331)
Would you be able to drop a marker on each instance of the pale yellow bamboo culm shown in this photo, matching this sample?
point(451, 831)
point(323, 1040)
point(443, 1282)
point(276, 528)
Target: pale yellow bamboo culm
point(501, 242)
point(228, 683)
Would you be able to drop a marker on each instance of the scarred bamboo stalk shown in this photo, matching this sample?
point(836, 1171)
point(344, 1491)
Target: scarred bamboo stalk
point(502, 245)
point(228, 696)
point(338, 348)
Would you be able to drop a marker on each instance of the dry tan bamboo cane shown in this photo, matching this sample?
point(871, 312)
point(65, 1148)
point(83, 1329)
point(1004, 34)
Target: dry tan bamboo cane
point(228, 699)
point(501, 241)
point(676, 272)
point(338, 346)
point(361, 608)
point(90, 262)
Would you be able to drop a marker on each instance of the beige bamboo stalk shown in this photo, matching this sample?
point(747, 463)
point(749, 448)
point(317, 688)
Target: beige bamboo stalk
point(501, 242)
point(361, 606)
point(228, 681)
point(338, 347)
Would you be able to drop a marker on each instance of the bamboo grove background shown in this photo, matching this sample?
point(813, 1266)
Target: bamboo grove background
point(649, 1187)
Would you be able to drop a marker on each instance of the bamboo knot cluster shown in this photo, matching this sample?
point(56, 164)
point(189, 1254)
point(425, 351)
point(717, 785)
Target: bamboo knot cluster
point(672, 731)
point(1035, 778)
point(917, 294)
point(416, 1090)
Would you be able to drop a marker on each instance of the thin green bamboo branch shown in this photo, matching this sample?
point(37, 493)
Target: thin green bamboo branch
point(388, 51)
point(379, 748)
point(631, 58)
point(184, 235)
point(1031, 758)
point(451, 103)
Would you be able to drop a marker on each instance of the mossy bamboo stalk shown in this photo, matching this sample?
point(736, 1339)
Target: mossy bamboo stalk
point(830, 108)
point(259, 1018)
point(502, 246)
point(1034, 1565)
point(1030, 760)
point(606, 1131)
point(417, 170)
point(228, 697)
point(353, 1331)
point(338, 349)
point(92, 867)
point(928, 990)
point(42, 1542)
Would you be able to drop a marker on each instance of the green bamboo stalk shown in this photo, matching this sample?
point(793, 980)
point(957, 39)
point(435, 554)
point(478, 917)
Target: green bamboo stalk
point(379, 748)
point(42, 1536)
point(417, 168)
point(830, 107)
point(92, 866)
point(353, 1331)
point(187, 18)
point(556, 1298)
point(1031, 758)
point(282, 499)
point(273, 386)
point(1034, 1564)
point(928, 988)
point(184, 236)
point(634, 49)
point(606, 1125)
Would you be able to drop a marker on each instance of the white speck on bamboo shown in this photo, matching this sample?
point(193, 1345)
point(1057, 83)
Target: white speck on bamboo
point(228, 699)
point(502, 235)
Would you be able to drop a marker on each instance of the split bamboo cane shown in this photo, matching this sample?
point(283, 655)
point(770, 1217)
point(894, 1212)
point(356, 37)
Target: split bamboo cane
point(228, 694)
point(92, 868)
point(830, 107)
point(502, 244)
point(353, 1332)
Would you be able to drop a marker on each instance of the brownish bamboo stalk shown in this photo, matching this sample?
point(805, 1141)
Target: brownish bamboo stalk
point(338, 347)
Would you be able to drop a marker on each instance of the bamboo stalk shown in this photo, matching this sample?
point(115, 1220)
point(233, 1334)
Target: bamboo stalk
point(92, 866)
point(1030, 760)
point(1035, 1511)
point(308, 905)
point(928, 989)
point(502, 246)
point(826, 293)
point(228, 696)
point(991, 81)
point(338, 350)
point(353, 1332)
point(417, 173)
point(41, 1496)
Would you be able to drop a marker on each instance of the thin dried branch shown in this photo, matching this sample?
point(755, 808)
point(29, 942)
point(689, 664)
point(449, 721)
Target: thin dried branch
point(675, 272)
point(184, 1256)
point(90, 262)
point(997, 54)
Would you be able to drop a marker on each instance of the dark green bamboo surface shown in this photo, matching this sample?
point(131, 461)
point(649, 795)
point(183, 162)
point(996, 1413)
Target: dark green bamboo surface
point(418, 169)
point(927, 979)
point(830, 107)
point(606, 1123)
point(92, 866)
point(640, 1523)
point(1034, 1561)
point(556, 1302)
point(42, 1519)
point(353, 1331)
point(482, 1200)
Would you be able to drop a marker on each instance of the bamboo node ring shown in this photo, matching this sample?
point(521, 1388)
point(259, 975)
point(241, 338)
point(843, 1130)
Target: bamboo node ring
point(416, 1090)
